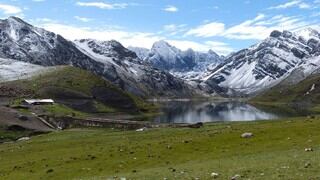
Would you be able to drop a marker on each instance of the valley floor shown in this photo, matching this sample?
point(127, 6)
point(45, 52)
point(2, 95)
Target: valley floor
point(276, 151)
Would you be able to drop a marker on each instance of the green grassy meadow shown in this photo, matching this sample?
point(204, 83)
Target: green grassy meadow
point(276, 151)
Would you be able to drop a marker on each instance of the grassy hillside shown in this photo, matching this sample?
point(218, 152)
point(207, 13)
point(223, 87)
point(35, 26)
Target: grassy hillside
point(307, 93)
point(76, 89)
point(277, 151)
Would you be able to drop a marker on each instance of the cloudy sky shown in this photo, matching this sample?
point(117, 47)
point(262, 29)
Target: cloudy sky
point(221, 25)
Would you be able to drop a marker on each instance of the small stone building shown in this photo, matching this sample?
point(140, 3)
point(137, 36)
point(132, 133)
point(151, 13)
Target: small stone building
point(38, 101)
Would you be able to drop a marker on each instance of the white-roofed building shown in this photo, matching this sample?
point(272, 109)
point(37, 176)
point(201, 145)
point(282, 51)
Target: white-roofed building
point(38, 101)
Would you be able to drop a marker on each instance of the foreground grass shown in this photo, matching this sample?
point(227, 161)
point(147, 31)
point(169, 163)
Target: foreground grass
point(277, 151)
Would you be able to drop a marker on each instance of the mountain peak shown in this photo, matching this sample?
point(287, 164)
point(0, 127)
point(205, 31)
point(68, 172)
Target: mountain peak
point(308, 33)
point(16, 20)
point(161, 43)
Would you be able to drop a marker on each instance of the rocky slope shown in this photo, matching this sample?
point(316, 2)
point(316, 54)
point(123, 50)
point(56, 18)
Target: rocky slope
point(266, 64)
point(24, 42)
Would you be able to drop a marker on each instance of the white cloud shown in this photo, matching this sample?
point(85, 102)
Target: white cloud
point(171, 8)
point(294, 3)
point(83, 19)
point(207, 30)
point(9, 9)
point(103, 5)
point(174, 29)
point(138, 39)
point(219, 47)
point(260, 27)
point(257, 28)
point(38, 0)
point(43, 20)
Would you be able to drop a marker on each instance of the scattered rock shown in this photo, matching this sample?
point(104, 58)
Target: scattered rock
point(172, 169)
point(308, 149)
point(311, 117)
point(307, 165)
point(141, 129)
point(236, 177)
point(49, 170)
point(186, 141)
point(197, 125)
point(24, 139)
point(247, 135)
point(214, 175)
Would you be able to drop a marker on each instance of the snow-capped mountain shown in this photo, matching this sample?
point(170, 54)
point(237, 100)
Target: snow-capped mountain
point(142, 53)
point(24, 42)
point(265, 64)
point(21, 41)
point(166, 57)
point(127, 65)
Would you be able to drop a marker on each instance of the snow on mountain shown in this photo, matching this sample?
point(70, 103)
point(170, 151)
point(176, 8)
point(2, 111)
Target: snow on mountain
point(307, 34)
point(265, 64)
point(187, 65)
point(13, 70)
point(142, 53)
point(21, 41)
point(127, 65)
point(167, 57)
point(24, 42)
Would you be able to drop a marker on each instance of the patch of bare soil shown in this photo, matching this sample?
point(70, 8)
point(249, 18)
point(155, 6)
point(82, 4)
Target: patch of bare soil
point(11, 117)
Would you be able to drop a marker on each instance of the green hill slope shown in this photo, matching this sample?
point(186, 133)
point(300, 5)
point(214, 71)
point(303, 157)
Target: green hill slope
point(76, 89)
point(306, 93)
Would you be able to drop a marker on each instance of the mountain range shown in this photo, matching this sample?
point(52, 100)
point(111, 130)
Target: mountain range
point(186, 65)
point(23, 42)
point(163, 70)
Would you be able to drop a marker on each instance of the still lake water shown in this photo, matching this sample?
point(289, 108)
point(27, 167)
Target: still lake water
point(212, 111)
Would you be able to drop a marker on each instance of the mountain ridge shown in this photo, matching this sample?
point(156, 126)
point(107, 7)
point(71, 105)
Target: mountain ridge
point(261, 66)
point(23, 42)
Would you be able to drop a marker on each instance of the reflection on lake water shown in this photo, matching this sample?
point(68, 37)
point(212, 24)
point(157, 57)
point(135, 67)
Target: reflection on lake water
point(193, 112)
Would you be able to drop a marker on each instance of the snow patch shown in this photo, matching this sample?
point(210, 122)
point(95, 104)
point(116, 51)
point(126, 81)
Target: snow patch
point(14, 70)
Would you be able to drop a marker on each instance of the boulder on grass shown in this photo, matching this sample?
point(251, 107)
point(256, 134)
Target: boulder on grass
point(247, 135)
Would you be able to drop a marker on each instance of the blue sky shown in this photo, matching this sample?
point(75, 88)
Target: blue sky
point(221, 25)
